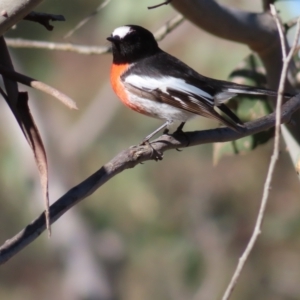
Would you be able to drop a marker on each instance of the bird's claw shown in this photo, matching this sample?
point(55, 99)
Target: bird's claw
point(181, 133)
point(156, 155)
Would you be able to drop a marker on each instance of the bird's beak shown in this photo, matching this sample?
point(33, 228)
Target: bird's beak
point(113, 39)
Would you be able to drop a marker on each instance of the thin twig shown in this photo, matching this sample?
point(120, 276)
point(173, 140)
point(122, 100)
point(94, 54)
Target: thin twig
point(88, 50)
point(44, 19)
point(39, 86)
point(80, 49)
point(280, 29)
point(161, 33)
point(161, 4)
point(86, 19)
point(274, 158)
point(130, 158)
point(291, 23)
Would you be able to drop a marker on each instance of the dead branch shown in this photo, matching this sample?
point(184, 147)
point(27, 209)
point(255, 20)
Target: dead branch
point(160, 34)
point(18, 103)
point(161, 4)
point(129, 158)
point(14, 76)
point(291, 23)
point(86, 19)
point(44, 19)
point(80, 49)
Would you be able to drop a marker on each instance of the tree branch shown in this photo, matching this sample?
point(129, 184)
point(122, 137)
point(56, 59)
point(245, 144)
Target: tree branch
point(253, 29)
point(80, 49)
point(44, 19)
point(129, 159)
point(168, 27)
point(18, 103)
point(160, 34)
point(17, 77)
point(86, 19)
point(161, 4)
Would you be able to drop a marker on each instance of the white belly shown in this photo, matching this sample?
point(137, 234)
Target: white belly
point(158, 110)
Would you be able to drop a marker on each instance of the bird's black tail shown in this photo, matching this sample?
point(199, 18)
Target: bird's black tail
point(230, 90)
point(233, 90)
point(236, 124)
point(249, 90)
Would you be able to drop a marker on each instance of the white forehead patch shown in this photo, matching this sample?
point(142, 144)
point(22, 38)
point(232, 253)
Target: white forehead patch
point(122, 31)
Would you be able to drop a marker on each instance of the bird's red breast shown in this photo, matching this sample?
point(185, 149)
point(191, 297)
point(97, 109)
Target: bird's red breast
point(117, 70)
point(115, 78)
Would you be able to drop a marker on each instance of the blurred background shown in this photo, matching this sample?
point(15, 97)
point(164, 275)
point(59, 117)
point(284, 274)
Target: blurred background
point(164, 230)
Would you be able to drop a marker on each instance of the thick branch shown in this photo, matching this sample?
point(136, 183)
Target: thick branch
point(128, 159)
point(257, 30)
point(11, 12)
point(253, 29)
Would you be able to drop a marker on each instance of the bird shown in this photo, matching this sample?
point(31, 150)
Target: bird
point(154, 83)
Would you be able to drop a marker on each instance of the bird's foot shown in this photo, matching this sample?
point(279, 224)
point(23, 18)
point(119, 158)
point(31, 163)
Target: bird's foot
point(156, 155)
point(180, 133)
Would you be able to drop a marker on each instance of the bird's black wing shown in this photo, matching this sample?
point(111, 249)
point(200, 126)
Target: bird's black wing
point(164, 78)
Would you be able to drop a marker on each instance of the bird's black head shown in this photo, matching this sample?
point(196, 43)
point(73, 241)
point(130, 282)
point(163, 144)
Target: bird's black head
point(131, 43)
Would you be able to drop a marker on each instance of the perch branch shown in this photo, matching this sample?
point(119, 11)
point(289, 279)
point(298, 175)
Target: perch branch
point(129, 159)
